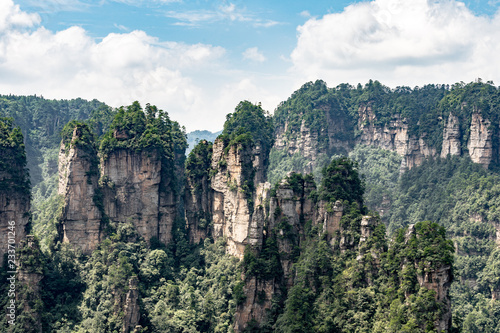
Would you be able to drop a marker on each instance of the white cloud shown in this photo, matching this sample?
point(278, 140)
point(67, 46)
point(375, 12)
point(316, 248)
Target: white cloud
point(121, 27)
point(399, 42)
point(120, 68)
point(227, 12)
point(54, 6)
point(11, 16)
point(305, 13)
point(254, 54)
point(194, 83)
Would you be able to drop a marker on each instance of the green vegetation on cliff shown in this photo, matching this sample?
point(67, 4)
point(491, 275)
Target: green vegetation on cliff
point(356, 280)
point(341, 282)
point(148, 129)
point(309, 106)
point(198, 163)
point(463, 198)
point(41, 120)
point(13, 173)
point(248, 124)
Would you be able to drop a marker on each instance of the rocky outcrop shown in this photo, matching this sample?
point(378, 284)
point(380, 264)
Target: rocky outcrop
point(125, 186)
point(451, 137)
point(476, 138)
point(29, 290)
point(131, 311)
point(368, 224)
point(198, 193)
point(289, 210)
point(334, 137)
point(393, 136)
point(197, 201)
point(257, 303)
point(439, 280)
point(138, 193)
point(233, 203)
point(329, 215)
point(78, 184)
point(14, 205)
point(305, 143)
point(480, 141)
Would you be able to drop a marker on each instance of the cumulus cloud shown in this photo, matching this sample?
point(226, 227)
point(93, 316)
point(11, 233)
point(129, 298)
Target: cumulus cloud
point(120, 68)
point(253, 54)
point(11, 16)
point(399, 42)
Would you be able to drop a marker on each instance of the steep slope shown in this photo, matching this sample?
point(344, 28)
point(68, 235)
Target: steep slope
point(219, 249)
point(78, 185)
point(236, 176)
point(14, 191)
point(317, 122)
point(277, 231)
point(139, 180)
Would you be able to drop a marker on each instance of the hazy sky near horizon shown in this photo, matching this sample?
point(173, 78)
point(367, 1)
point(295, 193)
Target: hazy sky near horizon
point(198, 59)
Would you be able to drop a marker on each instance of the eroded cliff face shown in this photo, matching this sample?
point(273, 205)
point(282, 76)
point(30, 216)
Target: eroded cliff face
point(394, 137)
point(451, 137)
point(334, 138)
point(237, 212)
point(480, 141)
point(131, 309)
point(289, 210)
point(438, 279)
point(78, 184)
point(131, 186)
point(198, 207)
point(258, 301)
point(136, 192)
point(14, 208)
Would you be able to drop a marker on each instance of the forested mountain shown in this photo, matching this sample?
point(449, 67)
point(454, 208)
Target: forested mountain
point(351, 209)
point(196, 136)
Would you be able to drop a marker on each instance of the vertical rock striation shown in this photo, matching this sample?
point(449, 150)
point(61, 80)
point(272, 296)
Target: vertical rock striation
point(133, 194)
point(393, 136)
point(131, 310)
point(14, 188)
point(233, 201)
point(437, 278)
point(78, 184)
point(451, 137)
point(135, 185)
point(480, 141)
point(198, 198)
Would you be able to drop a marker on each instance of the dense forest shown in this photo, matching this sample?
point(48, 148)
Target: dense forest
point(415, 248)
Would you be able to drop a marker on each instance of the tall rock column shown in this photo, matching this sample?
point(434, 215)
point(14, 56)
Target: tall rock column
point(133, 191)
point(290, 209)
point(30, 274)
point(480, 141)
point(451, 137)
point(232, 206)
point(198, 192)
point(14, 188)
point(131, 311)
point(78, 184)
point(436, 276)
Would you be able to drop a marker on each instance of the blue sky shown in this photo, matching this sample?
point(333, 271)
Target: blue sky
point(198, 59)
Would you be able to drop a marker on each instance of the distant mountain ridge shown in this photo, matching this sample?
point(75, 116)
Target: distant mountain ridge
point(195, 136)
